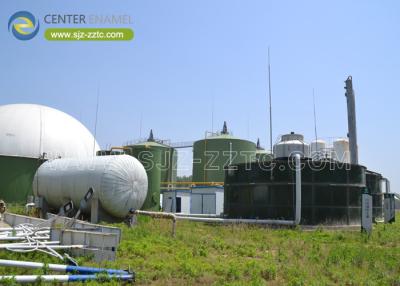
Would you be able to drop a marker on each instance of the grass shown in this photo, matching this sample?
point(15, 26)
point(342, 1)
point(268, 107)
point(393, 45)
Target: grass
point(203, 254)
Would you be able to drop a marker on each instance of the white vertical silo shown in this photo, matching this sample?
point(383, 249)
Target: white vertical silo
point(341, 150)
point(318, 149)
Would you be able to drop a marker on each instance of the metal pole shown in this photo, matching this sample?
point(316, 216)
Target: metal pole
point(270, 103)
point(315, 120)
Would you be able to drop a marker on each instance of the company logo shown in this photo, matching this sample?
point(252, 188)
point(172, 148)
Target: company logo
point(23, 25)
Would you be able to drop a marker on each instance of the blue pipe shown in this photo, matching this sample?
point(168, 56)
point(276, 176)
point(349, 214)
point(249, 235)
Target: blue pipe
point(76, 278)
point(89, 270)
point(62, 268)
point(66, 278)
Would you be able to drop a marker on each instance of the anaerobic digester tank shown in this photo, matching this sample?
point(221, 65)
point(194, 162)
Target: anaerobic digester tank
point(31, 134)
point(120, 183)
point(212, 154)
point(160, 163)
point(330, 192)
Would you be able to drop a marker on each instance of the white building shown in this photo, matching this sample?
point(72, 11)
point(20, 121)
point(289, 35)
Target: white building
point(194, 200)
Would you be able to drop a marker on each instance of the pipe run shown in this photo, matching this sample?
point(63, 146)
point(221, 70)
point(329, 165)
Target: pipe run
point(17, 246)
point(196, 215)
point(31, 244)
point(60, 267)
point(170, 216)
point(18, 238)
point(65, 278)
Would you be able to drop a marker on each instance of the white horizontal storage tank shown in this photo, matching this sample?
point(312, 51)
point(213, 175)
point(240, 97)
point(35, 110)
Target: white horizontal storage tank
point(291, 144)
point(341, 150)
point(120, 182)
point(318, 149)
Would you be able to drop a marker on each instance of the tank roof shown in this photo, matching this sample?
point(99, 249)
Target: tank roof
point(33, 131)
point(151, 142)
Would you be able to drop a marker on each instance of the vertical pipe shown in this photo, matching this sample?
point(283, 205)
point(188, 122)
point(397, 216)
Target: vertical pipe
point(387, 186)
point(298, 190)
point(352, 124)
point(230, 154)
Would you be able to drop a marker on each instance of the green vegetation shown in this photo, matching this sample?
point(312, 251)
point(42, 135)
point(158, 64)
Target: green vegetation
point(184, 178)
point(204, 254)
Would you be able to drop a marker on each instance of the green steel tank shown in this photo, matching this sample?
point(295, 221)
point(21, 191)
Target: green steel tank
point(330, 191)
point(16, 176)
point(374, 185)
point(30, 134)
point(213, 154)
point(160, 163)
point(262, 155)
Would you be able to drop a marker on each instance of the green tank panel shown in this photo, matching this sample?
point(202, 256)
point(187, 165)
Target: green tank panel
point(330, 192)
point(16, 176)
point(174, 167)
point(373, 182)
point(156, 159)
point(212, 154)
point(263, 156)
point(150, 157)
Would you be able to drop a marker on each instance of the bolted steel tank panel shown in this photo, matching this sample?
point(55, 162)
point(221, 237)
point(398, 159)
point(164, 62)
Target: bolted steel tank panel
point(120, 182)
point(160, 163)
point(374, 185)
point(262, 155)
point(330, 194)
point(16, 175)
point(150, 157)
point(213, 154)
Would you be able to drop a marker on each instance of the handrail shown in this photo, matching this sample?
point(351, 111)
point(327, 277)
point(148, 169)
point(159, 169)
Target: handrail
point(192, 183)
